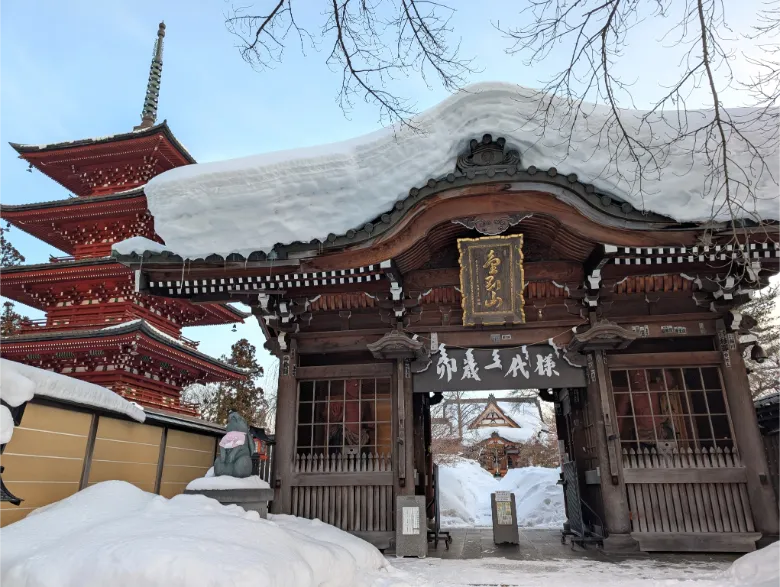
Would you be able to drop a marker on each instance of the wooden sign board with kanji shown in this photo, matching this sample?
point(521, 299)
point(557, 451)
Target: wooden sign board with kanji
point(491, 280)
point(537, 366)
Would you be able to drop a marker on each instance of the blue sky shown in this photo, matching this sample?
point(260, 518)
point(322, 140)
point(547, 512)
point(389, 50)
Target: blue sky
point(78, 69)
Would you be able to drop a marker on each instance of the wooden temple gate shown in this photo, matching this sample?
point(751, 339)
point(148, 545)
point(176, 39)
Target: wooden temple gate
point(497, 276)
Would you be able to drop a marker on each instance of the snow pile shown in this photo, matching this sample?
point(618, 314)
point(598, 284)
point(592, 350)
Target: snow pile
point(309, 192)
point(538, 497)
point(756, 569)
point(466, 488)
point(6, 425)
point(115, 534)
point(18, 384)
point(226, 482)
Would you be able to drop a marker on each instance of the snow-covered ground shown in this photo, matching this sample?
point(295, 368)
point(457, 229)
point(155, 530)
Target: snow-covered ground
point(757, 569)
point(466, 489)
point(114, 534)
point(309, 192)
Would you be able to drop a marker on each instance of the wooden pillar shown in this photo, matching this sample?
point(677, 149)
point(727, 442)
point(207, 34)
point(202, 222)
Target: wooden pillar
point(418, 438)
point(284, 451)
point(747, 434)
point(404, 444)
point(613, 488)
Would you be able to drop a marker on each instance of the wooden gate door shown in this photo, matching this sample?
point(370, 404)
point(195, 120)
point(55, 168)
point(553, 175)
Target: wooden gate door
point(685, 482)
point(342, 472)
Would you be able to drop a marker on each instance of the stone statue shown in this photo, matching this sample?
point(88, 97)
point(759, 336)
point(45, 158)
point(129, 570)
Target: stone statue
point(235, 449)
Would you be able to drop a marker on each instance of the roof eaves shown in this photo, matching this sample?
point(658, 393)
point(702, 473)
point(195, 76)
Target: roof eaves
point(121, 329)
point(75, 201)
point(163, 127)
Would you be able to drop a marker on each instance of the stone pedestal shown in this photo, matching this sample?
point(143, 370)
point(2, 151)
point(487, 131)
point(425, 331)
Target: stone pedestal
point(255, 500)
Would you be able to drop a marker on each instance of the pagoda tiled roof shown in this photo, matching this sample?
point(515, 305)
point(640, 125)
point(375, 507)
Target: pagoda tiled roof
point(139, 325)
point(135, 134)
point(132, 193)
point(91, 262)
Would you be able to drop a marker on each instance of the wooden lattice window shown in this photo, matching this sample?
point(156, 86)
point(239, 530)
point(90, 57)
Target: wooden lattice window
point(671, 408)
point(344, 416)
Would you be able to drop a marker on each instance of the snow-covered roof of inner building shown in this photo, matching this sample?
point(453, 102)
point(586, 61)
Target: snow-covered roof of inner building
point(525, 415)
point(15, 376)
point(252, 203)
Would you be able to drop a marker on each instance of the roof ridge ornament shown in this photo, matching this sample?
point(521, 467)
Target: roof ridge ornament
point(149, 112)
point(487, 153)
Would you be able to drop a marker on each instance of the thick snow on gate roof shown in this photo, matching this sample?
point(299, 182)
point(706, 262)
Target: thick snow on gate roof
point(252, 203)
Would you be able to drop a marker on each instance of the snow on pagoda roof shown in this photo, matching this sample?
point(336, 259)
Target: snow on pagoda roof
point(15, 376)
point(252, 203)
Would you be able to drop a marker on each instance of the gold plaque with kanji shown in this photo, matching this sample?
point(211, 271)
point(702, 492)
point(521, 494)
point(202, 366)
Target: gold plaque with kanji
point(491, 280)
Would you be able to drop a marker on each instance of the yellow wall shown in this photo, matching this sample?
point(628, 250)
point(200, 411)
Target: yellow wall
point(187, 456)
point(126, 451)
point(44, 460)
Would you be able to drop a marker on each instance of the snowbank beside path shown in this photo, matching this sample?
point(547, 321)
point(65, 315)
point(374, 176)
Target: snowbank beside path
point(466, 489)
point(756, 569)
point(115, 534)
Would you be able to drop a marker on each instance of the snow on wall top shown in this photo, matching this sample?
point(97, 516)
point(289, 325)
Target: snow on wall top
point(252, 203)
point(15, 376)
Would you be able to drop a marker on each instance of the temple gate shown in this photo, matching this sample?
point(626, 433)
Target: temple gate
point(496, 272)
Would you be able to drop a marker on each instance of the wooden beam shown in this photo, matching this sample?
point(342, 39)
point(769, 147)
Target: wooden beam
point(161, 460)
point(560, 271)
point(689, 359)
point(480, 200)
point(341, 479)
point(90, 449)
point(342, 371)
point(696, 542)
point(719, 475)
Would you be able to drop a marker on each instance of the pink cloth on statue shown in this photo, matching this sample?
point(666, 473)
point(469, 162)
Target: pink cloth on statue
point(233, 439)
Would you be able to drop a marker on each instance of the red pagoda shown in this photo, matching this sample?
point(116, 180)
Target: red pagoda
point(97, 327)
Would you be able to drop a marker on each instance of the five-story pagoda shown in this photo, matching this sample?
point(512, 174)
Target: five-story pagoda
point(98, 327)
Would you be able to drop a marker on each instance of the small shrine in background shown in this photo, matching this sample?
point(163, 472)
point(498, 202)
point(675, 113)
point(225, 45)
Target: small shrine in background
point(98, 327)
point(499, 451)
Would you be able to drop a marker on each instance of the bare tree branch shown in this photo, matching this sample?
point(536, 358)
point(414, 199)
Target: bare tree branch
point(372, 43)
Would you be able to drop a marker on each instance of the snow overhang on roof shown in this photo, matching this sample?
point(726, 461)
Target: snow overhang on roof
point(345, 193)
point(61, 387)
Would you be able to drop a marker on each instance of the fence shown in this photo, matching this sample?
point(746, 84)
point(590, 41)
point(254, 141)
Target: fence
point(341, 463)
point(58, 450)
point(264, 468)
point(352, 492)
point(700, 491)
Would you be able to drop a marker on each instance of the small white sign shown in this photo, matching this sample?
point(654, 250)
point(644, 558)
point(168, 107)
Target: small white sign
point(411, 524)
point(503, 496)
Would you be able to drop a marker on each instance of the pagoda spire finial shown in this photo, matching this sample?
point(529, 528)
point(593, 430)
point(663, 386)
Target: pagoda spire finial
point(149, 112)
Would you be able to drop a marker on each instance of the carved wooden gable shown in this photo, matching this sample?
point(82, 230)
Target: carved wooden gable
point(493, 416)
